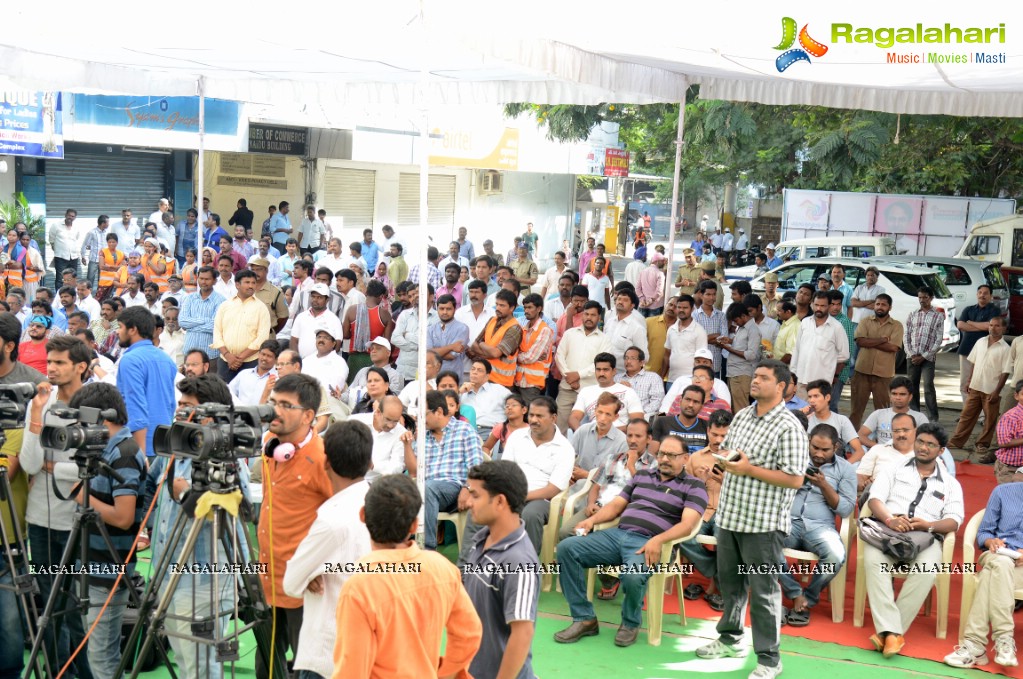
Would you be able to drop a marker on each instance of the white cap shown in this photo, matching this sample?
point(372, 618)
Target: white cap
point(382, 341)
point(323, 326)
point(770, 246)
point(703, 353)
point(320, 289)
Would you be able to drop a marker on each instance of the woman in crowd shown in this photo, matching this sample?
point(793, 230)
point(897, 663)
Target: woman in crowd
point(189, 272)
point(381, 275)
point(378, 385)
point(466, 414)
point(515, 411)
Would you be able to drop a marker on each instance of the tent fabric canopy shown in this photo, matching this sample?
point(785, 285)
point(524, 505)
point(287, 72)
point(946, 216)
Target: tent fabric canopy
point(542, 52)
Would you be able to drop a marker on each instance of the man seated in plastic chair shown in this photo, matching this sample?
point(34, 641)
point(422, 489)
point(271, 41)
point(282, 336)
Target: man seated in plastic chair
point(656, 507)
point(829, 490)
point(1001, 534)
point(917, 495)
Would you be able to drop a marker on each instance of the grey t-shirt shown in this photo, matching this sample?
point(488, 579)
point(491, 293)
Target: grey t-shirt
point(879, 423)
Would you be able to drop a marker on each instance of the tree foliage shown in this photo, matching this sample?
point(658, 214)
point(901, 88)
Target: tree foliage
point(780, 147)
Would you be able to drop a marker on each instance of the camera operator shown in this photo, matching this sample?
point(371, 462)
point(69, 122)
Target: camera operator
point(11, 372)
point(192, 598)
point(50, 518)
point(118, 503)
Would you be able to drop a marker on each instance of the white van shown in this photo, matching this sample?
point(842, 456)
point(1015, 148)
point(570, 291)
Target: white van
point(995, 240)
point(858, 247)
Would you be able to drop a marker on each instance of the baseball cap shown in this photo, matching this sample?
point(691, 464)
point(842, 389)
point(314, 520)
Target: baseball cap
point(824, 277)
point(771, 278)
point(320, 289)
point(770, 246)
point(325, 327)
point(382, 341)
point(262, 261)
point(657, 257)
point(703, 353)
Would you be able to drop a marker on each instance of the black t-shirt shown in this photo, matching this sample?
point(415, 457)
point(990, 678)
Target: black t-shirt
point(695, 437)
point(977, 314)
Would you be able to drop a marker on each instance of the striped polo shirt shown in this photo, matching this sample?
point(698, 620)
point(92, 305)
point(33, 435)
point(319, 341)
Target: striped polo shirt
point(655, 505)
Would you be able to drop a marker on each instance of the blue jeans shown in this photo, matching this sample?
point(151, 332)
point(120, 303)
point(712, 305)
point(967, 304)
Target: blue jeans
point(45, 548)
point(441, 496)
point(92, 273)
point(836, 394)
point(612, 547)
point(702, 559)
point(12, 648)
point(105, 641)
point(825, 542)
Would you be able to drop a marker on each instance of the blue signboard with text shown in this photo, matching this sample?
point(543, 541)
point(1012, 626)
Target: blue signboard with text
point(169, 114)
point(30, 124)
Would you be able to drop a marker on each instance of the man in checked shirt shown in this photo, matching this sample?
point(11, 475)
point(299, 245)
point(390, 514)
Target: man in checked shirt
point(924, 329)
point(754, 515)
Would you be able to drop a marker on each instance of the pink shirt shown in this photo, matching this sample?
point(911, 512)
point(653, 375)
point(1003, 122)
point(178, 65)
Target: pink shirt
point(650, 288)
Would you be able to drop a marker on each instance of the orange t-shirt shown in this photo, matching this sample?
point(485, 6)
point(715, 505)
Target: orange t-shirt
point(391, 623)
point(292, 492)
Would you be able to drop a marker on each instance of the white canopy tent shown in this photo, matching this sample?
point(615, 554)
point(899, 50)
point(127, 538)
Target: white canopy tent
point(450, 52)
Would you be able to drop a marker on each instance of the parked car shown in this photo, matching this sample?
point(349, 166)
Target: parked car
point(962, 276)
point(810, 248)
point(899, 280)
point(1013, 276)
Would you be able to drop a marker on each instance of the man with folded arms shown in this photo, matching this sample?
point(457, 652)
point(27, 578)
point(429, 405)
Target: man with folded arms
point(656, 507)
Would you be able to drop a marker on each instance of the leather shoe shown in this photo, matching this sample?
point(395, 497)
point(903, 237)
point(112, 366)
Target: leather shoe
point(878, 642)
point(987, 457)
point(576, 631)
point(626, 636)
point(893, 643)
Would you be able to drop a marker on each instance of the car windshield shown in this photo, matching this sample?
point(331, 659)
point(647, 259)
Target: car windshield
point(983, 245)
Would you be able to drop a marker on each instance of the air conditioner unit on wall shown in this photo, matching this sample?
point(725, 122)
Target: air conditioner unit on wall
point(491, 181)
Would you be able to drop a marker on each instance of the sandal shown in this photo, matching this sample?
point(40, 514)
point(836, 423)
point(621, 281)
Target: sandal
point(715, 601)
point(785, 616)
point(692, 592)
point(798, 618)
point(609, 593)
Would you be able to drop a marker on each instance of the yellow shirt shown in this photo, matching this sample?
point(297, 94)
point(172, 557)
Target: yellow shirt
point(785, 342)
point(391, 622)
point(657, 334)
point(241, 325)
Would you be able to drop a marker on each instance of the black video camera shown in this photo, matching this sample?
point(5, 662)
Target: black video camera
point(87, 432)
point(235, 432)
point(14, 399)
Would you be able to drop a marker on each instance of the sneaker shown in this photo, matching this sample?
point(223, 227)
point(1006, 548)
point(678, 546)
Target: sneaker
point(966, 654)
point(765, 672)
point(1005, 651)
point(718, 649)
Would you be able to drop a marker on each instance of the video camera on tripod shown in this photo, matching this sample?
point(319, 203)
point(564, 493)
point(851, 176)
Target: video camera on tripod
point(14, 400)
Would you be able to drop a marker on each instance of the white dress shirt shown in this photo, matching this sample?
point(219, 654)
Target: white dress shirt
point(64, 241)
point(624, 333)
point(90, 306)
point(819, 350)
point(549, 281)
point(409, 396)
point(172, 345)
point(331, 370)
point(550, 462)
point(990, 362)
point(388, 449)
point(247, 386)
point(138, 300)
point(337, 536)
point(683, 342)
point(586, 402)
point(305, 327)
point(476, 323)
point(576, 353)
point(488, 402)
point(554, 309)
point(227, 289)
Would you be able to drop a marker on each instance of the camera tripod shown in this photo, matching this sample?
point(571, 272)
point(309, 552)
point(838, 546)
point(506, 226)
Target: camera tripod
point(220, 503)
point(24, 586)
point(90, 464)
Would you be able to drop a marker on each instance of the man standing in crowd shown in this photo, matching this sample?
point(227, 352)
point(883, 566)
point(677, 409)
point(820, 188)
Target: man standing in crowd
point(918, 495)
point(688, 274)
point(337, 536)
point(91, 246)
point(822, 347)
point(712, 320)
point(501, 571)
point(650, 287)
point(743, 349)
point(657, 335)
point(655, 507)
point(533, 361)
point(280, 226)
point(551, 276)
point(973, 323)
point(452, 448)
point(755, 514)
point(991, 366)
point(145, 377)
point(499, 342)
point(419, 595)
point(828, 491)
point(241, 325)
point(63, 241)
point(1000, 576)
point(625, 327)
point(835, 310)
point(406, 333)
point(295, 475)
point(198, 313)
point(879, 339)
point(310, 232)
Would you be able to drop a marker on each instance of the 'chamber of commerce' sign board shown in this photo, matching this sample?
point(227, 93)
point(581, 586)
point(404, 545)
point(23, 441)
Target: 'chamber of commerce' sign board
point(616, 163)
point(30, 124)
point(290, 141)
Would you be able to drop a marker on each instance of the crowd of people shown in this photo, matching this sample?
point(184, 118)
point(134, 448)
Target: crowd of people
point(677, 413)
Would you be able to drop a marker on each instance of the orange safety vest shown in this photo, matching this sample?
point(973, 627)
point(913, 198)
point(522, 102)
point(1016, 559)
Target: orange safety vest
point(30, 275)
point(108, 278)
point(532, 374)
point(189, 278)
point(161, 279)
point(503, 372)
point(15, 277)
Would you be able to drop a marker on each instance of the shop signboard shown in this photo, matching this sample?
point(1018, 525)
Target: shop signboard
point(288, 141)
point(616, 163)
point(30, 124)
point(166, 114)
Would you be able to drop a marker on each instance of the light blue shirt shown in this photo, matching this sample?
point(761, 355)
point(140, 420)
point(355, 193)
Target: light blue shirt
point(442, 334)
point(279, 221)
point(196, 318)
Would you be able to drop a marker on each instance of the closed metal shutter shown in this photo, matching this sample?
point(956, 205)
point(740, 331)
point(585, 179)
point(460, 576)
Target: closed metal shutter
point(440, 200)
point(350, 194)
point(104, 184)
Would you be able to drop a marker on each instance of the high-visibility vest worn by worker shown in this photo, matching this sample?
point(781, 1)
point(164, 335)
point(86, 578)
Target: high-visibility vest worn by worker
point(503, 372)
point(109, 278)
point(533, 374)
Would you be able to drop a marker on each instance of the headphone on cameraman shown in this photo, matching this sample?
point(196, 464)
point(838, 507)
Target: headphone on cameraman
point(282, 452)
